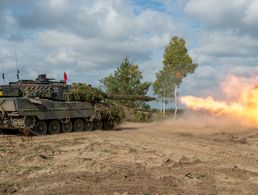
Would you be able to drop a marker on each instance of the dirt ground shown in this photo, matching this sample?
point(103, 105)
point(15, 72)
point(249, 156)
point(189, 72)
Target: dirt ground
point(169, 157)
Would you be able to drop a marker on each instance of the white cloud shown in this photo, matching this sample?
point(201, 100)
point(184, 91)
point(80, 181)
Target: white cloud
point(86, 36)
point(251, 14)
point(238, 15)
point(216, 12)
point(227, 45)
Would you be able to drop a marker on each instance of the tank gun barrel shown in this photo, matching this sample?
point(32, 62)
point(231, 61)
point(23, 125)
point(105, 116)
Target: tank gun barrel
point(131, 97)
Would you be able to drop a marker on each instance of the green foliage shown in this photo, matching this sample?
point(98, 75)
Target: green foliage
point(163, 86)
point(126, 81)
point(7, 187)
point(177, 65)
point(104, 104)
point(146, 106)
point(139, 115)
point(85, 93)
point(110, 111)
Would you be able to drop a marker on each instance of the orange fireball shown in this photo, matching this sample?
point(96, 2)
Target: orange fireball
point(241, 103)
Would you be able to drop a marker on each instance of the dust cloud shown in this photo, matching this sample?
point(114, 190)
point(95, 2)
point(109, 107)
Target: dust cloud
point(204, 121)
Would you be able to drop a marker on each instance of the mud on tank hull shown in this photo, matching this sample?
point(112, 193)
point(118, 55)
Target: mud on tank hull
point(43, 116)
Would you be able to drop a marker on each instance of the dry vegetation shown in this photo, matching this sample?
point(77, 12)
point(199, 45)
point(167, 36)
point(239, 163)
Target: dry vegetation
point(192, 156)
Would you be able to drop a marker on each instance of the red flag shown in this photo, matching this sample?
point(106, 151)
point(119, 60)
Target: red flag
point(65, 77)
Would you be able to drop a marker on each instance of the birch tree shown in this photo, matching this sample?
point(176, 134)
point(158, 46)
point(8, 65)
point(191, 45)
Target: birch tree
point(177, 64)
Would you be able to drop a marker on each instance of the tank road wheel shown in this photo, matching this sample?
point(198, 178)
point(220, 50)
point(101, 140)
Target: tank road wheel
point(108, 124)
point(67, 127)
point(78, 125)
point(88, 125)
point(29, 121)
point(40, 128)
point(97, 124)
point(53, 127)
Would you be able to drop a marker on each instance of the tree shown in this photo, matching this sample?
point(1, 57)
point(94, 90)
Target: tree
point(126, 81)
point(177, 64)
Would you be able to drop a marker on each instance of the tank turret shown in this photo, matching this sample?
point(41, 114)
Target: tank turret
point(42, 87)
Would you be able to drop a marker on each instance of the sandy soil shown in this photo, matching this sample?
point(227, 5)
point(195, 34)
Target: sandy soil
point(171, 157)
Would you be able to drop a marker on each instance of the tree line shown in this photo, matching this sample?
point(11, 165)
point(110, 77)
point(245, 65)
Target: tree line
point(127, 78)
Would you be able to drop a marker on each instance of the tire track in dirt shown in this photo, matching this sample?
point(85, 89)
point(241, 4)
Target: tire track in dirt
point(193, 145)
point(149, 137)
point(218, 153)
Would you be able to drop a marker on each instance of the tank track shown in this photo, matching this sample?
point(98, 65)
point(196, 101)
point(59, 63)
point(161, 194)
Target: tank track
point(51, 127)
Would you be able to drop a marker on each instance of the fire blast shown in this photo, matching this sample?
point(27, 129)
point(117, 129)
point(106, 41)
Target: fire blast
point(241, 101)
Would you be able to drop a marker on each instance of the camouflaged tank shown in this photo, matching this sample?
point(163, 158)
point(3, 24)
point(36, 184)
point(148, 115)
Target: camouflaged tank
point(44, 106)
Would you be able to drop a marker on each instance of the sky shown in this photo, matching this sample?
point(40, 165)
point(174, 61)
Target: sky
point(88, 39)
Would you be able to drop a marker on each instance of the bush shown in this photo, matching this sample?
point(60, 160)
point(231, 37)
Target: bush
point(85, 93)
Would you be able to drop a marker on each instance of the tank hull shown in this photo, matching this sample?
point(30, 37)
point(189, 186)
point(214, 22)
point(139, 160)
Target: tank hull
point(15, 111)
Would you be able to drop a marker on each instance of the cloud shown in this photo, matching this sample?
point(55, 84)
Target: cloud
point(251, 14)
point(8, 24)
point(239, 16)
point(86, 36)
point(225, 46)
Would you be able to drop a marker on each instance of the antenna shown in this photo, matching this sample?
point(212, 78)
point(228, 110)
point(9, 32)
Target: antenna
point(16, 62)
point(2, 64)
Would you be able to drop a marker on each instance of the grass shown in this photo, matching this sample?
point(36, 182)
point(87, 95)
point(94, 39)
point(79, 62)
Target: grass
point(8, 187)
point(71, 142)
point(3, 149)
point(32, 169)
point(197, 160)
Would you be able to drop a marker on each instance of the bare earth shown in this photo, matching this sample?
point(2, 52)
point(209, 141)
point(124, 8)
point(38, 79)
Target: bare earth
point(155, 158)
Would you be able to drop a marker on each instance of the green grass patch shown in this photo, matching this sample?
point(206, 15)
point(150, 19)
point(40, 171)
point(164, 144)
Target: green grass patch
point(8, 187)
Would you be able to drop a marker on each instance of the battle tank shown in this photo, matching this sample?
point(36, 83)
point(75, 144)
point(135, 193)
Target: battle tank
point(44, 106)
